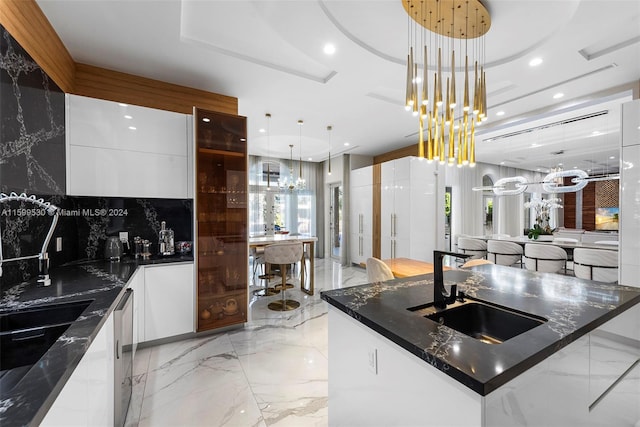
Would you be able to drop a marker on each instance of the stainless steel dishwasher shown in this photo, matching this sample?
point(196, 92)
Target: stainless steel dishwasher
point(123, 371)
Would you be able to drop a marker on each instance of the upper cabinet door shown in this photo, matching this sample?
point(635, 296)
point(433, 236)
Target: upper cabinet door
point(123, 150)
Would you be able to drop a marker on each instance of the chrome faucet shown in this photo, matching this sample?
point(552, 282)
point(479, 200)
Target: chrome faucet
point(440, 296)
point(43, 257)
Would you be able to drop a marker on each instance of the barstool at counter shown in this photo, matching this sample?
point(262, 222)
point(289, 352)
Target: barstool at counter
point(283, 254)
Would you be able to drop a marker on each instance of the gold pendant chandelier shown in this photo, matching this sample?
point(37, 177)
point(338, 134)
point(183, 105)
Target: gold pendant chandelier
point(435, 26)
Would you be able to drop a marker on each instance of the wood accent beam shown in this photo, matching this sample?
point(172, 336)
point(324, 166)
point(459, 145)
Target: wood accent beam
point(26, 23)
point(376, 221)
point(411, 150)
point(96, 82)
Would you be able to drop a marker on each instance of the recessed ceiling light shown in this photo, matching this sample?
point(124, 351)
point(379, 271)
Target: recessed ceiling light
point(588, 170)
point(206, 119)
point(346, 144)
point(132, 127)
point(534, 145)
point(310, 158)
point(558, 95)
point(329, 49)
point(502, 163)
point(596, 133)
point(128, 117)
point(243, 139)
point(612, 157)
point(538, 169)
point(535, 62)
point(575, 167)
point(261, 130)
point(500, 113)
point(123, 104)
point(559, 164)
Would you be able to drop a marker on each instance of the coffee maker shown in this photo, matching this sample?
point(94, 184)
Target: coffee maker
point(166, 240)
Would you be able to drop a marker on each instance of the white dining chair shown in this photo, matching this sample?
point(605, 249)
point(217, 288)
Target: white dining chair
point(504, 253)
point(596, 264)
point(475, 247)
point(378, 271)
point(546, 258)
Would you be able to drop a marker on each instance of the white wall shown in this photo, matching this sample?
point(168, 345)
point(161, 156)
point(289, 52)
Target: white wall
point(337, 176)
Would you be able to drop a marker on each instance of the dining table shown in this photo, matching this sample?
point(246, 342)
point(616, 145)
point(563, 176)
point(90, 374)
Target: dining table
point(308, 242)
point(567, 245)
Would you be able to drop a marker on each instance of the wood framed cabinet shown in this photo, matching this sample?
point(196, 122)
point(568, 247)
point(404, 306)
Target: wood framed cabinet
point(221, 219)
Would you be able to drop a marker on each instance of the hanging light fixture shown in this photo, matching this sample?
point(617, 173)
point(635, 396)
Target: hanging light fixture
point(268, 116)
point(329, 128)
point(434, 26)
point(288, 183)
point(300, 182)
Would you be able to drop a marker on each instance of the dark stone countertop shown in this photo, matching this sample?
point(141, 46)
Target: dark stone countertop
point(102, 282)
point(573, 307)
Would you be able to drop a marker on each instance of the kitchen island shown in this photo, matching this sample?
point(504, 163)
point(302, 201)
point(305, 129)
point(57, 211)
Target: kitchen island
point(26, 397)
point(389, 365)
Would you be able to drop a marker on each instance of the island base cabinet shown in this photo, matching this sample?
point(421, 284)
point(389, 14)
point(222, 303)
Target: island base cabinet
point(399, 390)
point(87, 397)
point(593, 381)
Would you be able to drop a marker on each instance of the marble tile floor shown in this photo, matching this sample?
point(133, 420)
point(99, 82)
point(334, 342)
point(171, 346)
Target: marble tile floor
point(272, 372)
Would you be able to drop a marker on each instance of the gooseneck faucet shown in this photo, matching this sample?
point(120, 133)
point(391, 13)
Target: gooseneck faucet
point(440, 296)
point(43, 257)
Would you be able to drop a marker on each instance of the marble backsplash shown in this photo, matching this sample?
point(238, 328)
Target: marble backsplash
point(32, 125)
point(84, 225)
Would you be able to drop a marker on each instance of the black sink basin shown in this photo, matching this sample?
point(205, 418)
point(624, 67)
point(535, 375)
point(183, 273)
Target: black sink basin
point(488, 323)
point(26, 335)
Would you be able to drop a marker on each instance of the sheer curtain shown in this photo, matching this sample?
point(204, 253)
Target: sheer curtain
point(290, 210)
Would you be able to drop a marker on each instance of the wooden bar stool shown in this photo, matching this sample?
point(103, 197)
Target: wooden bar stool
point(283, 254)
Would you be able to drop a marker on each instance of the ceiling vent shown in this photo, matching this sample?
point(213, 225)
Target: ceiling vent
point(547, 126)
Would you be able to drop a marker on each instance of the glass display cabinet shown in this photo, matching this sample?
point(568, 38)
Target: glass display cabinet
point(221, 219)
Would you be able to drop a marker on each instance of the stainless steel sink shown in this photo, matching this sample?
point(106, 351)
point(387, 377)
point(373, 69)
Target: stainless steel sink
point(484, 321)
point(26, 335)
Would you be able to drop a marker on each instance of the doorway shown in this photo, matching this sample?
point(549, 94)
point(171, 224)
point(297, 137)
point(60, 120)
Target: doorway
point(335, 221)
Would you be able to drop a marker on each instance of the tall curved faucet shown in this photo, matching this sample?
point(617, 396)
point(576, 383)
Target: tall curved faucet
point(43, 257)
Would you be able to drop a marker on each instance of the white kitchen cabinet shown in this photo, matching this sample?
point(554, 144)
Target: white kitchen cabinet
point(411, 197)
point(168, 300)
point(123, 150)
point(87, 397)
point(361, 214)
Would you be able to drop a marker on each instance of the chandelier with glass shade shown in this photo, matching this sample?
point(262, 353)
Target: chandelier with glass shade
point(448, 113)
point(290, 183)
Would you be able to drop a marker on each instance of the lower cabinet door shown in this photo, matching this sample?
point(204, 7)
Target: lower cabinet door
point(87, 397)
point(168, 301)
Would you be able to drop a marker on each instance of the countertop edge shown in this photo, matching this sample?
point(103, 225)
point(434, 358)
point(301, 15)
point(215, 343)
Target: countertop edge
point(21, 412)
point(483, 388)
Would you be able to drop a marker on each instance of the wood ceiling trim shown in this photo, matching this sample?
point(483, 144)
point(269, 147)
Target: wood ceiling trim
point(26, 23)
point(411, 150)
point(96, 82)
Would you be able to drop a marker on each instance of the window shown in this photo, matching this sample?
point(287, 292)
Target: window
point(285, 210)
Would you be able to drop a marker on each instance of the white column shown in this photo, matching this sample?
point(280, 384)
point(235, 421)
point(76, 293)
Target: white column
point(630, 195)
